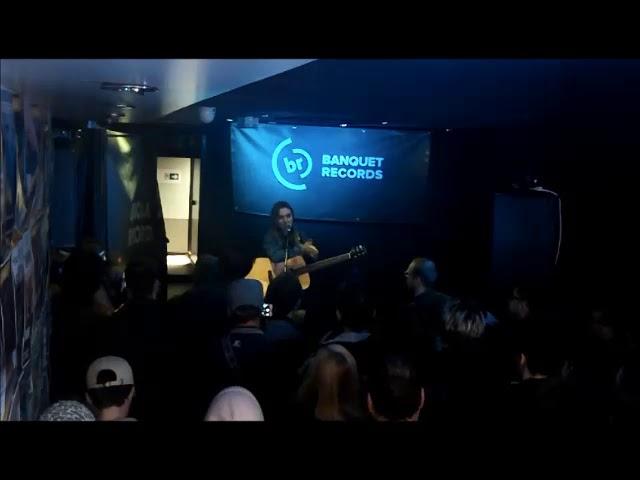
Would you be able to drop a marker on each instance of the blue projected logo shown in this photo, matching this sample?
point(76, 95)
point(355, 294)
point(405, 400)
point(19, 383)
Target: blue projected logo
point(295, 167)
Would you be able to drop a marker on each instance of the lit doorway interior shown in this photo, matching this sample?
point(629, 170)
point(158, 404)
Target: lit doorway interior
point(179, 186)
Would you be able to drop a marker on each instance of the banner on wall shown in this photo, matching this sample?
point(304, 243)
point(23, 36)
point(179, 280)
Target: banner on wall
point(134, 210)
point(326, 173)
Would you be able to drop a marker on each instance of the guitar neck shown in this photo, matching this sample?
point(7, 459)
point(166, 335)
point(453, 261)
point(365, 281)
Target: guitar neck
point(328, 262)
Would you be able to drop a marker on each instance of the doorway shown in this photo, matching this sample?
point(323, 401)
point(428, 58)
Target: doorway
point(179, 187)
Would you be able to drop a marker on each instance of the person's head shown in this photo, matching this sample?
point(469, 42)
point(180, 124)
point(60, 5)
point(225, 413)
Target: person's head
point(234, 265)
point(282, 215)
point(67, 411)
point(207, 270)
point(332, 384)
point(520, 303)
point(601, 324)
point(285, 294)
point(394, 391)
point(245, 302)
point(353, 309)
point(421, 274)
point(142, 278)
point(463, 321)
point(82, 276)
point(234, 404)
point(110, 387)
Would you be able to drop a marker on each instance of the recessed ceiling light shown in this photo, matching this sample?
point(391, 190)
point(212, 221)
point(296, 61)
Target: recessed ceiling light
point(384, 123)
point(125, 106)
point(139, 89)
point(116, 115)
point(343, 124)
point(229, 119)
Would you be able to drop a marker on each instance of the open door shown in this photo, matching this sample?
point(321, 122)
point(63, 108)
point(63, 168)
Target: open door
point(194, 217)
point(174, 183)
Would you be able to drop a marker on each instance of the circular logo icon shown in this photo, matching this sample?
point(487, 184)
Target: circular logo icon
point(289, 169)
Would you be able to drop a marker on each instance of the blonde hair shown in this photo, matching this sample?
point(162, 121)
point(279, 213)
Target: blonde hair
point(332, 382)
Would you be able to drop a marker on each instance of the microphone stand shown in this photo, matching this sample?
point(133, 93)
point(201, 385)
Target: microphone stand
point(286, 251)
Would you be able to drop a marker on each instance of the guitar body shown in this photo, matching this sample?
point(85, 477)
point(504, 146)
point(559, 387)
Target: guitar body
point(264, 270)
point(294, 263)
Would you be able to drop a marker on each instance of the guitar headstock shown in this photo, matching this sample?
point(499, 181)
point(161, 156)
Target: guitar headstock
point(357, 251)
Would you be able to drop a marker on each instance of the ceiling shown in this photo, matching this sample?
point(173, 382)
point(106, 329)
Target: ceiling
point(71, 88)
point(405, 93)
point(438, 93)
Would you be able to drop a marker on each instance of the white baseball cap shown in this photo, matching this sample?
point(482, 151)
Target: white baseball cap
point(109, 372)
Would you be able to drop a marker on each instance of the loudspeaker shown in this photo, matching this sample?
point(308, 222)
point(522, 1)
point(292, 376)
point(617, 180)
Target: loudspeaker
point(526, 238)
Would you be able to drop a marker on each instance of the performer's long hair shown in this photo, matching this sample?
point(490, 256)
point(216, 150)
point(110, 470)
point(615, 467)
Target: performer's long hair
point(276, 208)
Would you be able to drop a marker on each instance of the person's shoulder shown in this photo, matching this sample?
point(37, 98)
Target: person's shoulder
point(429, 299)
point(444, 300)
point(442, 296)
point(420, 298)
point(246, 332)
point(280, 329)
point(251, 344)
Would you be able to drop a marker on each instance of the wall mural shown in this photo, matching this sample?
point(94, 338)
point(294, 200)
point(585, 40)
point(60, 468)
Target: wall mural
point(25, 171)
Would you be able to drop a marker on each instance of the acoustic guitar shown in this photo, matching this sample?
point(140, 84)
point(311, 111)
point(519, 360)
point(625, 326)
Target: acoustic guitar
point(264, 270)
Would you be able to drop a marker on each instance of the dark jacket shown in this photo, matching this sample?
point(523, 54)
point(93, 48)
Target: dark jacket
point(244, 357)
point(275, 243)
point(141, 333)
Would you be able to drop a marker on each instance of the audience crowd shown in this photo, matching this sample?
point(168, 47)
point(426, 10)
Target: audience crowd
point(120, 352)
